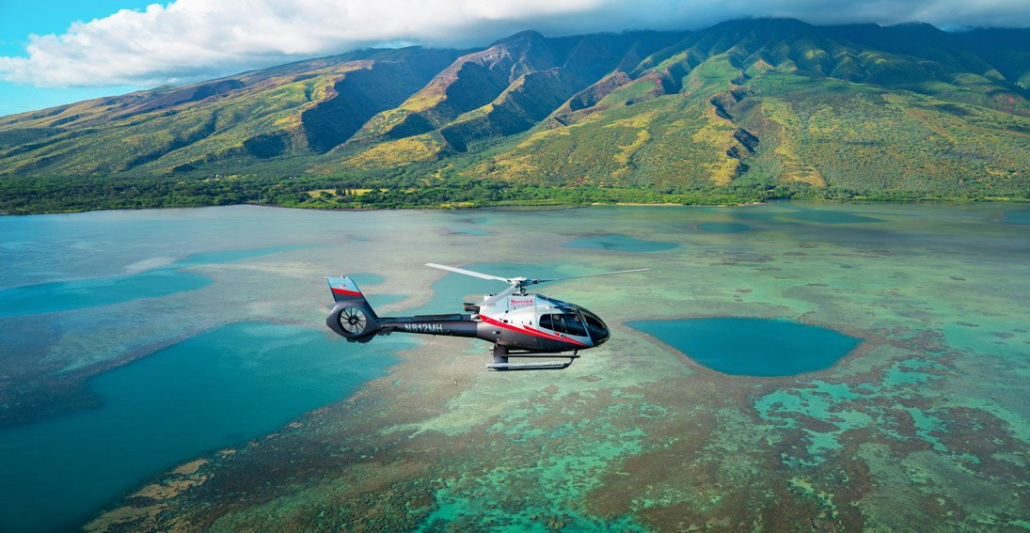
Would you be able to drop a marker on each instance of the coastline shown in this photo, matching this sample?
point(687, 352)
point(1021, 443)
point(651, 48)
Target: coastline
point(532, 206)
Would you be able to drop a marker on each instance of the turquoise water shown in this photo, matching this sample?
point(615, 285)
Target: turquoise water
point(474, 232)
point(794, 213)
point(216, 389)
point(723, 227)
point(228, 256)
point(621, 243)
point(81, 294)
point(1017, 217)
point(366, 279)
point(937, 290)
point(752, 346)
point(832, 217)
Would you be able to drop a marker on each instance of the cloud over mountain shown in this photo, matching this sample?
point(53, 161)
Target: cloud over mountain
point(195, 39)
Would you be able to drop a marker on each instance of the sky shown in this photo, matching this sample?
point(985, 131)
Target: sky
point(61, 51)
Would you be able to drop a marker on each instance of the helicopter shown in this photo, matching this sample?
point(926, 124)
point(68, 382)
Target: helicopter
point(519, 324)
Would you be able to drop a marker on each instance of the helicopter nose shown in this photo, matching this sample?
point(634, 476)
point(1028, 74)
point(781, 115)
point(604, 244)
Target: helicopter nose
point(596, 327)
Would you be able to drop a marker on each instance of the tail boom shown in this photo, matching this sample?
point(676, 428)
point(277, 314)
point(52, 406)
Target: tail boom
point(354, 319)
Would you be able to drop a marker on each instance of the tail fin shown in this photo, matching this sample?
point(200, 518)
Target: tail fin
point(352, 317)
point(344, 289)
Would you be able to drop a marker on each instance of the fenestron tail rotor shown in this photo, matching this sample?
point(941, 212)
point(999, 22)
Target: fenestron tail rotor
point(353, 320)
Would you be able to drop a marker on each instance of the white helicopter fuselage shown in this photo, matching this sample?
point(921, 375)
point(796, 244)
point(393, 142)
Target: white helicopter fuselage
point(519, 324)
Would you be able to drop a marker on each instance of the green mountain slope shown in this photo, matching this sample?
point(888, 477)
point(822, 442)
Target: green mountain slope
point(509, 87)
point(297, 109)
point(768, 106)
point(1008, 50)
point(782, 102)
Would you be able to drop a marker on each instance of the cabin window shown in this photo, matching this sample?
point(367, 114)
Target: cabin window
point(570, 324)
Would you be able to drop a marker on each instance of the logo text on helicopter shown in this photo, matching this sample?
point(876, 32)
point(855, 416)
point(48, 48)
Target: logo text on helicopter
point(521, 302)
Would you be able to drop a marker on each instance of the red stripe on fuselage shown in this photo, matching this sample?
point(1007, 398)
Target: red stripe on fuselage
point(338, 290)
point(530, 331)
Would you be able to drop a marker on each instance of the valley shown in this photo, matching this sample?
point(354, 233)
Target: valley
point(744, 111)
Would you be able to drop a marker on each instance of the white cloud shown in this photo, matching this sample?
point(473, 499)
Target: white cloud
point(196, 39)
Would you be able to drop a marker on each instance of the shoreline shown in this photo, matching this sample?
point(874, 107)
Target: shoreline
point(531, 206)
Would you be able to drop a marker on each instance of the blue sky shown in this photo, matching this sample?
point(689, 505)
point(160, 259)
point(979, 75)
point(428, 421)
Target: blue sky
point(62, 51)
point(19, 19)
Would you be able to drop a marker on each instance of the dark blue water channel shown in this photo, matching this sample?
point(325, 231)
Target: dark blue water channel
point(219, 388)
point(752, 346)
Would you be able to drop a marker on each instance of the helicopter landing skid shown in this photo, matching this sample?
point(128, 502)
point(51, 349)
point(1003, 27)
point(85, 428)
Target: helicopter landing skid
point(501, 355)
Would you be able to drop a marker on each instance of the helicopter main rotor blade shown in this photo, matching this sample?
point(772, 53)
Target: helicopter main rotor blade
point(500, 296)
point(467, 272)
point(591, 275)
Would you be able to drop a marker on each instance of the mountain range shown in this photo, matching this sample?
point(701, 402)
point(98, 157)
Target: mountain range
point(756, 104)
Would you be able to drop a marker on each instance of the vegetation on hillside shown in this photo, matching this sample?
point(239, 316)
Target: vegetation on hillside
point(741, 112)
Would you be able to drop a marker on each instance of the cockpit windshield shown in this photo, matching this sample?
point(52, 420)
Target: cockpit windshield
point(598, 331)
